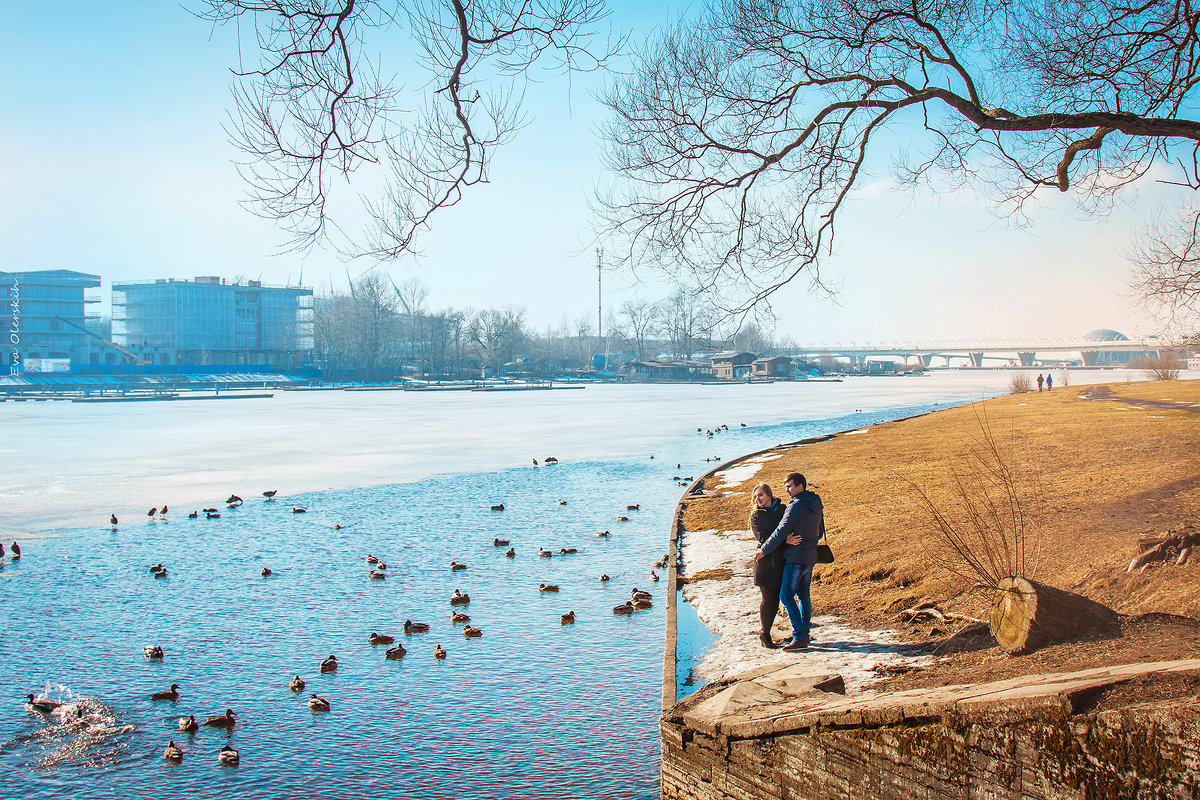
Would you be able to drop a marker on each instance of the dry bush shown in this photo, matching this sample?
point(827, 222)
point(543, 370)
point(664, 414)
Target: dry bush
point(1063, 377)
point(1020, 383)
point(1161, 367)
point(980, 524)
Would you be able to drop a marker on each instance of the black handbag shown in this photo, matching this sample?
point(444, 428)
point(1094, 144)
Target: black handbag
point(824, 553)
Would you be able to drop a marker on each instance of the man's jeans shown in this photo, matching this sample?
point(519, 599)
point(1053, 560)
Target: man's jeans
point(794, 594)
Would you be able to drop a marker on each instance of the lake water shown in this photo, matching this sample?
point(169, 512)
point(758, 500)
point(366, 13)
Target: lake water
point(532, 709)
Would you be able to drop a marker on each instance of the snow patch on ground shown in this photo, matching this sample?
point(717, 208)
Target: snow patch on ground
point(743, 471)
point(729, 608)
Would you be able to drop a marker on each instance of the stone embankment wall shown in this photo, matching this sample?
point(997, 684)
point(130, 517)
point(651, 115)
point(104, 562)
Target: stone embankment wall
point(788, 733)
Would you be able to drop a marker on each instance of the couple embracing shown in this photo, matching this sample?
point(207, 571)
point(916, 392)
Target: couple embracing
point(787, 552)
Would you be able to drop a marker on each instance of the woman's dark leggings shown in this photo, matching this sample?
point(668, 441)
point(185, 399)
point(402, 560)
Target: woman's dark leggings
point(768, 607)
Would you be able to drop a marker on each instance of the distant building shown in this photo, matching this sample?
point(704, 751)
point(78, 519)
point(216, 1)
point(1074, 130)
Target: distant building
point(668, 370)
point(777, 367)
point(44, 316)
point(207, 321)
point(731, 366)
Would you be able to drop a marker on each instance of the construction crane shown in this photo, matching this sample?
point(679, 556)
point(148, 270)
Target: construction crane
point(133, 358)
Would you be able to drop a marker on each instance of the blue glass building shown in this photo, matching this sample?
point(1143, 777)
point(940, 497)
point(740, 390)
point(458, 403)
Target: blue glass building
point(43, 316)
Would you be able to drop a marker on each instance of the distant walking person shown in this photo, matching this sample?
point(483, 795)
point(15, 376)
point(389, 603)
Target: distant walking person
point(804, 516)
point(1041, 380)
point(765, 513)
point(1049, 381)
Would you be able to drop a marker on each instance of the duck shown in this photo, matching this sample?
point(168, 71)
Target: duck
point(604, 577)
point(547, 587)
point(459, 599)
point(266, 572)
point(415, 627)
point(44, 706)
point(544, 553)
point(624, 608)
point(439, 652)
point(225, 720)
point(498, 507)
point(157, 567)
point(188, 724)
point(318, 703)
point(212, 515)
point(622, 518)
point(567, 551)
point(209, 510)
point(296, 684)
point(151, 513)
point(372, 559)
point(472, 633)
point(171, 694)
point(162, 573)
point(162, 512)
point(234, 500)
point(641, 594)
point(376, 576)
point(535, 462)
point(634, 507)
point(455, 566)
point(330, 664)
point(172, 753)
point(270, 495)
point(654, 576)
point(456, 616)
point(562, 502)
point(511, 552)
point(603, 534)
point(500, 542)
point(641, 605)
point(297, 510)
point(381, 566)
point(194, 515)
point(113, 520)
point(568, 618)
point(380, 638)
point(152, 652)
point(229, 757)
point(551, 460)
point(396, 652)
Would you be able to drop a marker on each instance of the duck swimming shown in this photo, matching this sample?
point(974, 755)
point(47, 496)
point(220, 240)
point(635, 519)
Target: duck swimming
point(455, 566)
point(380, 638)
point(396, 652)
point(194, 515)
point(229, 757)
point(634, 507)
point(603, 534)
point(296, 685)
point(234, 500)
point(318, 703)
point(642, 604)
point(622, 518)
point(562, 502)
point(172, 753)
point(500, 543)
point(270, 495)
point(439, 652)
point(188, 724)
point(459, 599)
point(296, 510)
point(604, 577)
point(544, 553)
point(472, 633)
point(415, 627)
point(567, 551)
point(372, 559)
point(225, 720)
point(498, 507)
point(624, 608)
point(511, 553)
point(547, 587)
point(568, 618)
point(152, 652)
point(43, 706)
point(266, 572)
point(457, 617)
point(654, 576)
point(376, 576)
point(330, 664)
point(171, 694)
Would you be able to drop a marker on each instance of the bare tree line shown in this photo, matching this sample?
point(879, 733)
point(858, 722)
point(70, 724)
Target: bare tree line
point(379, 330)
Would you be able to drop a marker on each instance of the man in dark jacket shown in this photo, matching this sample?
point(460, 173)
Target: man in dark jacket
point(804, 516)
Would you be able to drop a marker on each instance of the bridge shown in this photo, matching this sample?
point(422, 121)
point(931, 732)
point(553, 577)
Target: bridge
point(1025, 351)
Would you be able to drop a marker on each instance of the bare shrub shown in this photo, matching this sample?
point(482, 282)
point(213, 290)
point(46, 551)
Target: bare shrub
point(1160, 367)
point(980, 522)
point(1020, 383)
point(1063, 376)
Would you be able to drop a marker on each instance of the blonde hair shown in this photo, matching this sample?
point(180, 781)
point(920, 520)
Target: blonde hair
point(766, 488)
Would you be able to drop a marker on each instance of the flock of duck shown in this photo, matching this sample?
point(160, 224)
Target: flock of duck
point(639, 600)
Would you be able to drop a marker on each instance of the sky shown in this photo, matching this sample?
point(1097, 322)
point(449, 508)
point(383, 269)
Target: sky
point(118, 165)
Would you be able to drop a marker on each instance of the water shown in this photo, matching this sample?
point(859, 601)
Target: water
point(533, 709)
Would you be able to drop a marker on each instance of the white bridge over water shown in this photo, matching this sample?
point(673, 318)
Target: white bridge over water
point(1026, 352)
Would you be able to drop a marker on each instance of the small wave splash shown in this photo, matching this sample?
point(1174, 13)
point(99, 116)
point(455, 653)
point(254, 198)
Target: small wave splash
point(80, 732)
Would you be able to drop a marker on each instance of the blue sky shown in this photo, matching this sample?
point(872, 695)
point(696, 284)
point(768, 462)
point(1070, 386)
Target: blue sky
point(117, 164)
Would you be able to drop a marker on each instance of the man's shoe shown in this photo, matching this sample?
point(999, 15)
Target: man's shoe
point(796, 644)
point(768, 642)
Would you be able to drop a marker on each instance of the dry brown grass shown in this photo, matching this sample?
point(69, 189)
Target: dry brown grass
point(1109, 473)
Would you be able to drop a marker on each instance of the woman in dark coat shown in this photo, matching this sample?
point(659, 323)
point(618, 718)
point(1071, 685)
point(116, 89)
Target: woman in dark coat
point(765, 513)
